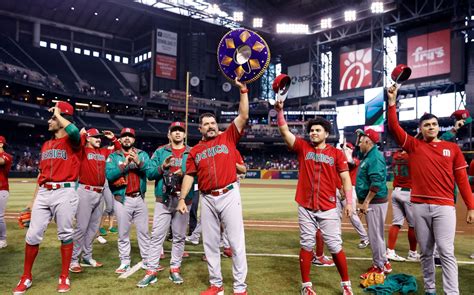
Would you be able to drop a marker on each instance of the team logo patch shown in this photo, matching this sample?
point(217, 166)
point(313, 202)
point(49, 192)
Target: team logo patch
point(446, 153)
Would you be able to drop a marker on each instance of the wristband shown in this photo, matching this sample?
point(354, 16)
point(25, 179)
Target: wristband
point(281, 119)
point(243, 91)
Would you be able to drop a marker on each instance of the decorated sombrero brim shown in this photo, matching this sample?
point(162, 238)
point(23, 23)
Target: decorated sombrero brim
point(243, 53)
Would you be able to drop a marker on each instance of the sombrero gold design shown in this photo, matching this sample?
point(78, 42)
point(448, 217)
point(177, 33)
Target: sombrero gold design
point(243, 53)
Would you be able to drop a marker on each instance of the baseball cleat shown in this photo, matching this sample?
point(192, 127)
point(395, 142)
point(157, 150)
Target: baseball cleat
point(75, 267)
point(64, 284)
point(387, 268)
point(90, 263)
point(472, 256)
point(307, 289)
point(23, 285)
point(363, 244)
point(102, 231)
point(150, 278)
point(394, 256)
point(322, 261)
point(3, 244)
point(241, 293)
point(346, 288)
point(175, 276)
point(227, 252)
point(213, 290)
point(185, 254)
point(113, 230)
point(191, 241)
point(123, 268)
point(413, 256)
point(101, 240)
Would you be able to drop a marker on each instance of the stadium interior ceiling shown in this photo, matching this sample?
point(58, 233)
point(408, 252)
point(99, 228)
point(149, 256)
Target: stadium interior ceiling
point(103, 56)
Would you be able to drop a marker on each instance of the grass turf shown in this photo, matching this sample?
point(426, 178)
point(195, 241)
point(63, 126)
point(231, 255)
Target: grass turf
point(267, 275)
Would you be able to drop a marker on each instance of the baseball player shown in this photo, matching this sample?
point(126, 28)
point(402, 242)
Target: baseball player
point(435, 167)
point(5, 165)
point(220, 201)
point(353, 163)
point(401, 207)
point(371, 189)
point(90, 193)
point(320, 164)
point(55, 194)
point(167, 167)
point(125, 170)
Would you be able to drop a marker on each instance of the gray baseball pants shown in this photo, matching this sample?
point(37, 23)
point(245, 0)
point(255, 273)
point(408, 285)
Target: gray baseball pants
point(375, 219)
point(133, 210)
point(437, 223)
point(225, 208)
point(88, 216)
point(3, 205)
point(164, 215)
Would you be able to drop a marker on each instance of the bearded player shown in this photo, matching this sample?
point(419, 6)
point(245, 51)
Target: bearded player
point(55, 194)
point(435, 167)
point(213, 161)
point(320, 164)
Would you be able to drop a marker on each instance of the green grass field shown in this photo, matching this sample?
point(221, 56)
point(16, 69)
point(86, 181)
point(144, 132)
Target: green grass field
point(267, 274)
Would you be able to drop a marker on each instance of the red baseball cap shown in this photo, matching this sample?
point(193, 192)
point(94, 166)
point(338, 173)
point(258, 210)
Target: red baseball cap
point(66, 108)
point(462, 115)
point(177, 125)
point(350, 145)
point(129, 131)
point(93, 132)
point(280, 81)
point(370, 133)
point(3, 140)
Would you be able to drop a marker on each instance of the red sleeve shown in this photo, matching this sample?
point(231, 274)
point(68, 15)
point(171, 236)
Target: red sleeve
point(7, 158)
point(471, 168)
point(459, 161)
point(83, 139)
point(401, 137)
point(462, 181)
point(238, 157)
point(298, 145)
point(341, 162)
point(191, 167)
point(232, 133)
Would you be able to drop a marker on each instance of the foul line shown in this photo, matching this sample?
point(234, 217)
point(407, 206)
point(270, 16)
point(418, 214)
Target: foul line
point(297, 256)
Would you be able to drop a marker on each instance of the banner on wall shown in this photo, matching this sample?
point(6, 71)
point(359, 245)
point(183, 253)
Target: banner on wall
point(429, 54)
point(300, 79)
point(166, 42)
point(374, 108)
point(165, 67)
point(355, 69)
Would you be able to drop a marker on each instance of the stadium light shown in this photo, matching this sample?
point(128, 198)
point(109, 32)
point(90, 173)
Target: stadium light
point(350, 15)
point(377, 7)
point(117, 19)
point(257, 22)
point(326, 23)
point(95, 13)
point(238, 16)
point(284, 28)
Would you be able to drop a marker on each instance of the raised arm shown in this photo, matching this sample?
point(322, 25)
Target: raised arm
point(288, 137)
point(241, 120)
point(401, 137)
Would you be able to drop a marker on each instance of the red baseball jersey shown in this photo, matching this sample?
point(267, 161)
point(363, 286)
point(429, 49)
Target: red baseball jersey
point(401, 170)
point(4, 169)
point(92, 171)
point(238, 157)
point(432, 166)
point(177, 159)
point(319, 171)
point(59, 161)
point(133, 180)
point(214, 160)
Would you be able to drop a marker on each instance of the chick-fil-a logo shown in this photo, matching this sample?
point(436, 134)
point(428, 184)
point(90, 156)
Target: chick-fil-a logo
point(355, 69)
